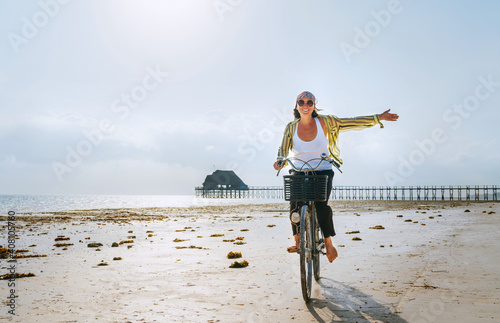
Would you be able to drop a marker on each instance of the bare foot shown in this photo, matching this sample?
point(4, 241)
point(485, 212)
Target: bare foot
point(331, 252)
point(296, 247)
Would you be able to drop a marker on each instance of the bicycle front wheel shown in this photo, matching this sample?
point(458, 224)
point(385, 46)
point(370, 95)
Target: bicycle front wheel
point(306, 250)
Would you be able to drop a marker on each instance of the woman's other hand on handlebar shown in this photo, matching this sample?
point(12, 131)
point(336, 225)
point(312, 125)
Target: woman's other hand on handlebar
point(278, 165)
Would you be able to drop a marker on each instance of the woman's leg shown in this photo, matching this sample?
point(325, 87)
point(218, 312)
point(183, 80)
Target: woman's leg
point(293, 208)
point(325, 218)
point(323, 210)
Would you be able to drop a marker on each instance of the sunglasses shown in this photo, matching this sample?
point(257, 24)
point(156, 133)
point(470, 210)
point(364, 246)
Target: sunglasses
point(309, 103)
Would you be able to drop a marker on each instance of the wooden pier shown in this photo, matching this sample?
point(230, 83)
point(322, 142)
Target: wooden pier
point(433, 193)
point(265, 192)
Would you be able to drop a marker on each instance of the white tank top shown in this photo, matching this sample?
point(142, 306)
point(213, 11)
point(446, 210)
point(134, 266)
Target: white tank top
point(307, 150)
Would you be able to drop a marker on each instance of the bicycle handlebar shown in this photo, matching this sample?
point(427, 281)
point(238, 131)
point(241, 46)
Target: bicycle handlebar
point(323, 158)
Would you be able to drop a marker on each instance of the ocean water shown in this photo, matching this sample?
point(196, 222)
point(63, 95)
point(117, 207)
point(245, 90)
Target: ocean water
point(54, 203)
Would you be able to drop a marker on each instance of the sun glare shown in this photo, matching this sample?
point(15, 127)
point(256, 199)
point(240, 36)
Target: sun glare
point(173, 20)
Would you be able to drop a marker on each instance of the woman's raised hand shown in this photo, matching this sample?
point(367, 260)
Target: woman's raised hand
point(386, 116)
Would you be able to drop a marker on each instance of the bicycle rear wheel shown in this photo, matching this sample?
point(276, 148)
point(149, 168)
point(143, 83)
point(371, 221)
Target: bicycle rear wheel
point(306, 248)
point(316, 242)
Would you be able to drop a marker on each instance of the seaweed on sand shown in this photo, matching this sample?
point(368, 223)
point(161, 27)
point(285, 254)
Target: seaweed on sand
point(240, 264)
point(16, 275)
point(233, 255)
point(4, 253)
point(190, 247)
point(29, 256)
point(62, 244)
point(126, 241)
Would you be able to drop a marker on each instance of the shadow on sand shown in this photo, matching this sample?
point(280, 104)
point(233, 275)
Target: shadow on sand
point(344, 303)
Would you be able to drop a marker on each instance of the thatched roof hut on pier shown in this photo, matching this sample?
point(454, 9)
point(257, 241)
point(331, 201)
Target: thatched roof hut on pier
point(224, 179)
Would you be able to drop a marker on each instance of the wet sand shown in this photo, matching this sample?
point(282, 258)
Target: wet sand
point(442, 266)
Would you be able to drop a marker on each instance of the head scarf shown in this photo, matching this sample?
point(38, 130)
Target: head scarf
point(306, 94)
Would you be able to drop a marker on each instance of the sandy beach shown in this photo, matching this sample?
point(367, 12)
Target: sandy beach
point(435, 261)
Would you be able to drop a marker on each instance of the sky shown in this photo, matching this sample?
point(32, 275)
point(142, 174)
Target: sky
point(150, 97)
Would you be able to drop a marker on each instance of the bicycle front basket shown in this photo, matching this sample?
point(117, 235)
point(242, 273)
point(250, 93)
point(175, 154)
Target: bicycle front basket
point(305, 188)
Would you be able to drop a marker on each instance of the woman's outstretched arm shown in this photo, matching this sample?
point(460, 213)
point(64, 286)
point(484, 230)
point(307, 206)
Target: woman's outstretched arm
point(359, 123)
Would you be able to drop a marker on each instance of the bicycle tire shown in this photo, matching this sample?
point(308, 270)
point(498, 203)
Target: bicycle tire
point(315, 256)
point(306, 270)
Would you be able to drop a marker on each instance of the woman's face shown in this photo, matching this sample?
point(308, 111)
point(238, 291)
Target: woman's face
point(307, 106)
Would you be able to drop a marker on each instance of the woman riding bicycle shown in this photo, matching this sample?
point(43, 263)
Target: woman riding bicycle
point(310, 135)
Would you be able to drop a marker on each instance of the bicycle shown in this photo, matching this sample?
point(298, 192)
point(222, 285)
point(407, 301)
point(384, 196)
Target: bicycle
point(308, 188)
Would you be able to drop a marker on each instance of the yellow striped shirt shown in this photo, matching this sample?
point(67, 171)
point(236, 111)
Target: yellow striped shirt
point(334, 126)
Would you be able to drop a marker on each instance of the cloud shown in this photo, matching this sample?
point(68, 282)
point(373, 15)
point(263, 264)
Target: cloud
point(128, 176)
point(191, 143)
